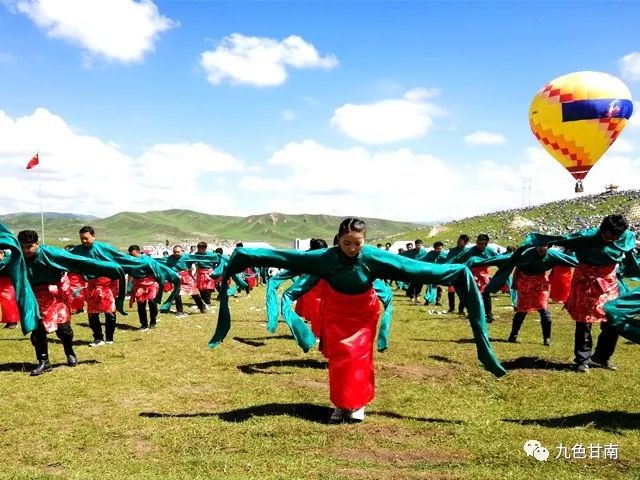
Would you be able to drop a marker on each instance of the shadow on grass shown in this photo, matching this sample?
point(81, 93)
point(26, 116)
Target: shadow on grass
point(460, 340)
point(536, 363)
point(119, 326)
point(611, 421)
point(304, 411)
point(259, 341)
point(28, 366)
point(265, 367)
point(440, 358)
point(19, 339)
point(75, 342)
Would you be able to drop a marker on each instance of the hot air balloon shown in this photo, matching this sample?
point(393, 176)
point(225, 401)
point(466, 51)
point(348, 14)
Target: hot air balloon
point(578, 116)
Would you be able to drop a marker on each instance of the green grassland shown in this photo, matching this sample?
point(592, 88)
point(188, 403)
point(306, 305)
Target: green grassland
point(160, 405)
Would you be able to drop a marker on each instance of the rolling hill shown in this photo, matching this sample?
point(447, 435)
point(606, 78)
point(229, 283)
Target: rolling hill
point(188, 226)
point(508, 227)
point(505, 227)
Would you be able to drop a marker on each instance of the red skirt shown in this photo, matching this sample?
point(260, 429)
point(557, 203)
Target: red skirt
point(144, 289)
point(560, 279)
point(8, 305)
point(591, 287)
point(101, 295)
point(348, 328)
point(251, 278)
point(308, 307)
point(204, 280)
point(533, 291)
point(79, 284)
point(53, 301)
point(188, 283)
point(481, 276)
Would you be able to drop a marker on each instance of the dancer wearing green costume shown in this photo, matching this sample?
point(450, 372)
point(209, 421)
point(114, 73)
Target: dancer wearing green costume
point(453, 252)
point(433, 293)
point(350, 308)
point(480, 251)
point(532, 284)
point(17, 271)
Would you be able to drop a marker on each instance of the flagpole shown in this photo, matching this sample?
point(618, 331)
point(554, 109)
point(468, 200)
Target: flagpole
point(41, 209)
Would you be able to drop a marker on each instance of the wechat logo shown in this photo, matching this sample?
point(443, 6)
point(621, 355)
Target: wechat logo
point(534, 448)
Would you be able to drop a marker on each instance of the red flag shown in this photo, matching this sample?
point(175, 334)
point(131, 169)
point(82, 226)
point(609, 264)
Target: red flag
point(33, 162)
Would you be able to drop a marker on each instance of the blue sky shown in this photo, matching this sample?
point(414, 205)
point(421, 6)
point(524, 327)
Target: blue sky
point(403, 110)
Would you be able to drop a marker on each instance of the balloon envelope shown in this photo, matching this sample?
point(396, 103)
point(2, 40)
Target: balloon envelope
point(578, 116)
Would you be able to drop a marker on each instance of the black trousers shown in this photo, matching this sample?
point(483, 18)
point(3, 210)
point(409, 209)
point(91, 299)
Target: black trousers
point(206, 296)
point(584, 342)
point(452, 301)
point(109, 326)
point(414, 290)
point(545, 323)
point(142, 313)
point(41, 346)
point(488, 308)
point(196, 298)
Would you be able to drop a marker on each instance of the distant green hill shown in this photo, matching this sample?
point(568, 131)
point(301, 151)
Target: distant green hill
point(505, 227)
point(176, 226)
point(508, 227)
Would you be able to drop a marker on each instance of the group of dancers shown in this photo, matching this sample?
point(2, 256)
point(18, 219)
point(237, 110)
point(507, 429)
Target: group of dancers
point(337, 290)
point(42, 286)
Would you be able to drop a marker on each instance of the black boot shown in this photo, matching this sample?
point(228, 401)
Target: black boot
point(65, 333)
point(545, 321)
point(39, 342)
point(518, 319)
point(43, 366)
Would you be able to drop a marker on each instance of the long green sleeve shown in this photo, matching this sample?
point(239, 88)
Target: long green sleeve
point(588, 245)
point(48, 264)
point(386, 296)
point(271, 298)
point(299, 329)
point(623, 314)
point(529, 261)
point(17, 270)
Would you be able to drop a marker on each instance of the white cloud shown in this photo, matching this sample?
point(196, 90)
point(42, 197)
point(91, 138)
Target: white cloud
point(388, 121)
point(307, 177)
point(481, 137)
point(621, 145)
point(84, 174)
point(634, 121)
point(288, 115)
point(119, 30)
point(630, 66)
point(259, 61)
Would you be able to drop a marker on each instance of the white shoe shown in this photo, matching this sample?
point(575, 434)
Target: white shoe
point(97, 343)
point(337, 416)
point(143, 329)
point(193, 307)
point(108, 342)
point(356, 415)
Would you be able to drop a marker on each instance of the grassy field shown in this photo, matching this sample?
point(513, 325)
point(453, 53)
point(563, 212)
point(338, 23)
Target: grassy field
point(159, 404)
